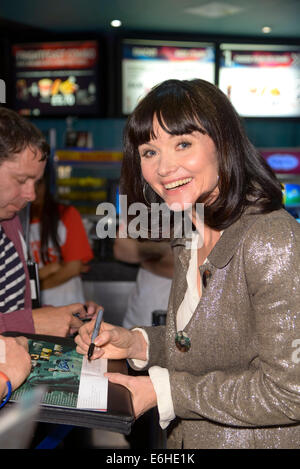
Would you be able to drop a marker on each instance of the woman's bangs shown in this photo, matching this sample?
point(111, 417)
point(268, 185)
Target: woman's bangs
point(167, 117)
point(141, 126)
point(174, 111)
point(187, 123)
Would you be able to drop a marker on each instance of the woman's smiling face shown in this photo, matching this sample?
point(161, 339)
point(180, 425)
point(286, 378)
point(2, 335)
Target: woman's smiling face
point(179, 168)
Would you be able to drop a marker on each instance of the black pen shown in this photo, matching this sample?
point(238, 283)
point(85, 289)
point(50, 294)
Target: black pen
point(95, 333)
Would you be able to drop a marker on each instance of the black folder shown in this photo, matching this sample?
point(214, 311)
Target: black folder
point(119, 416)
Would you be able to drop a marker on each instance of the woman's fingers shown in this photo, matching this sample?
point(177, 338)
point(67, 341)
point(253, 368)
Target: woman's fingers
point(118, 378)
point(141, 389)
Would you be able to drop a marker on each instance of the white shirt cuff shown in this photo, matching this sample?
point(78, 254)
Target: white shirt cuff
point(161, 383)
point(141, 363)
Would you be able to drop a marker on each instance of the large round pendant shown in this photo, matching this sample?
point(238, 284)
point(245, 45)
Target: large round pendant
point(182, 341)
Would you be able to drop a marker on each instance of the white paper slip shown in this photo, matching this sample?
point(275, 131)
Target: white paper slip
point(93, 385)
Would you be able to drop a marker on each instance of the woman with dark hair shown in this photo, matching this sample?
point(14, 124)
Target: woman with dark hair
point(244, 176)
point(224, 371)
point(59, 245)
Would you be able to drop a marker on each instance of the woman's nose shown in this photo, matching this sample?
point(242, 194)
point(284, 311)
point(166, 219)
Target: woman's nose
point(166, 165)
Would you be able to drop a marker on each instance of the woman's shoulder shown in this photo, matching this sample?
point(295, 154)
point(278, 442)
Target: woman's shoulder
point(277, 218)
point(277, 227)
point(271, 254)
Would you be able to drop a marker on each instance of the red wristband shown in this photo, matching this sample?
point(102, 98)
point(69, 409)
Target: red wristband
point(4, 376)
point(9, 389)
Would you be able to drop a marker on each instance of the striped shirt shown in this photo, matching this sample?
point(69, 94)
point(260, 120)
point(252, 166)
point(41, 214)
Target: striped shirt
point(12, 276)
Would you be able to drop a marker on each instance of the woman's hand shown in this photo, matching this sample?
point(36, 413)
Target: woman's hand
point(85, 268)
point(65, 272)
point(113, 342)
point(141, 389)
point(48, 269)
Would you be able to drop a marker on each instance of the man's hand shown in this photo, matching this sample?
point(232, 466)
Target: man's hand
point(59, 321)
point(15, 360)
point(92, 309)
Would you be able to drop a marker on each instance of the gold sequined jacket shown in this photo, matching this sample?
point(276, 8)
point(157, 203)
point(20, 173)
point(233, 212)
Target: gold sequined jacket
point(238, 386)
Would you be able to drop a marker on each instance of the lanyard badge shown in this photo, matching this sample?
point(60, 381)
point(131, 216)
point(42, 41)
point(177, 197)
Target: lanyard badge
point(34, 284)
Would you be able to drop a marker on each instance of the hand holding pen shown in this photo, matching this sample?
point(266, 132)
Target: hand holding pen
point(95, 333)
point(114, 342)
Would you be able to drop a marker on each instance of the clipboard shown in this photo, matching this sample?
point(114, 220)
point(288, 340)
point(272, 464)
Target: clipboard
point(119, 416)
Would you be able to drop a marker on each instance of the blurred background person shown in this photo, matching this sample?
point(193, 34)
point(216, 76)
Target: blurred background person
point(59, 245)
point(151, 290)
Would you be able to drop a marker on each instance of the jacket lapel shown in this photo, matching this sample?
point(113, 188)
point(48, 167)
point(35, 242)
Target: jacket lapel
point(181, 260)
point(219, 257)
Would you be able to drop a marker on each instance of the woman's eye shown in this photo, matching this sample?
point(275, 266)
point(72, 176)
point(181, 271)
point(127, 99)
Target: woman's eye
point(147, 153)
point(184, 144)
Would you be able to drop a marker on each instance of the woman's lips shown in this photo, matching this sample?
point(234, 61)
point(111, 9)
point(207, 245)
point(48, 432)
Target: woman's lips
point(177, 183)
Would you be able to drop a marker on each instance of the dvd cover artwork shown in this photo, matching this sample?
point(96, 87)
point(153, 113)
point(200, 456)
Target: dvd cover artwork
point(58, 368)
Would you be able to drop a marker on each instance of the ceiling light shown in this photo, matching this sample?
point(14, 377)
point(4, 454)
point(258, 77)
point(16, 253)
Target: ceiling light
point(214, 10)
point(116, 23)
point(266, 29)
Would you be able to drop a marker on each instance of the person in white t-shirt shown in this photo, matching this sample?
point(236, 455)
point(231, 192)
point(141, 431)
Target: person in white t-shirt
point(59, 245)
point(151, 290)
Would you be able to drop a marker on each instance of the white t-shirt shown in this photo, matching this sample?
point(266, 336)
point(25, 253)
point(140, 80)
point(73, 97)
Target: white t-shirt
point(151, 292)
point(68, 292)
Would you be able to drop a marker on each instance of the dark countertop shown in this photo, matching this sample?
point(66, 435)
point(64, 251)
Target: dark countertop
point(110, 271)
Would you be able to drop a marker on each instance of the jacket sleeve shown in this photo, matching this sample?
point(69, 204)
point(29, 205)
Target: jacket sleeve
point(20, 320)
point(17, 321)
point(267, 392)
point(156, 349)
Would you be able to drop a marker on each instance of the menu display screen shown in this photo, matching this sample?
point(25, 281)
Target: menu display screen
point(147, 63)
point(56, 78)
point(261, 80)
